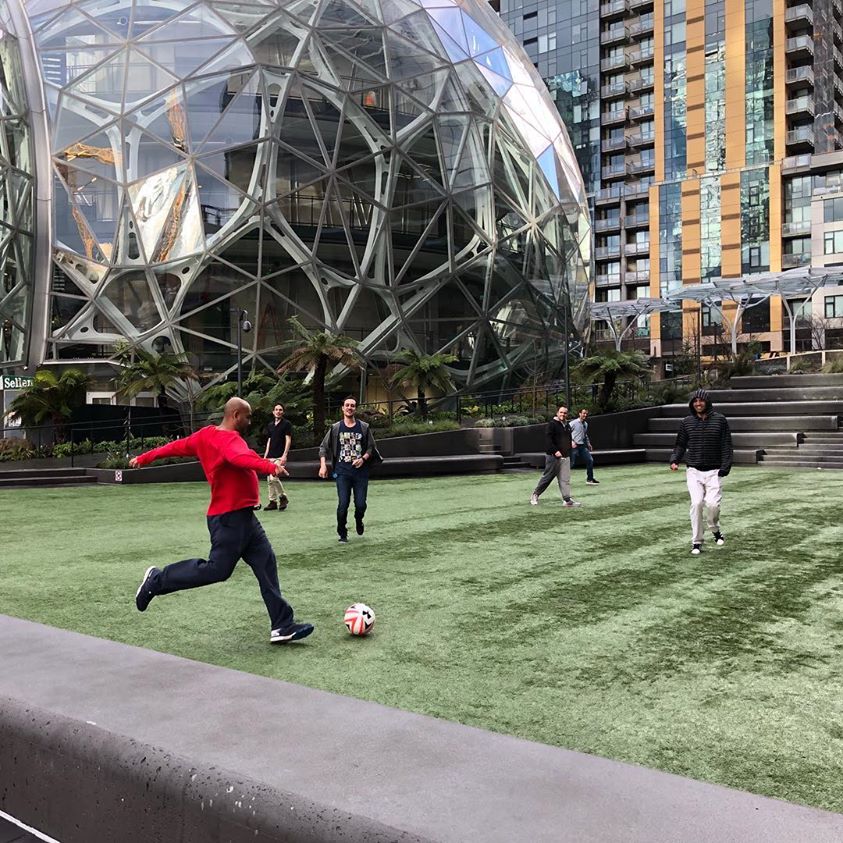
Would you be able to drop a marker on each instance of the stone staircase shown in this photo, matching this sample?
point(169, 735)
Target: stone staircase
point(13, 478)
point(776, 420)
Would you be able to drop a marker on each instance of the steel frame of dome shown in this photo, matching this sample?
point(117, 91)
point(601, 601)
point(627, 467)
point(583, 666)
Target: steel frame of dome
point(390, 169)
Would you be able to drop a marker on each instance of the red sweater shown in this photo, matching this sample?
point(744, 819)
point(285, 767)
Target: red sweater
point(227, 461)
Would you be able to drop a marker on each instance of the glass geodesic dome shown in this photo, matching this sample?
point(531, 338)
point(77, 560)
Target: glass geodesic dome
point(389, 169)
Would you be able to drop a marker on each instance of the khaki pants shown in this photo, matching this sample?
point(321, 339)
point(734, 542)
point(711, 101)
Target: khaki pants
point(276, 490)
point(705, 489)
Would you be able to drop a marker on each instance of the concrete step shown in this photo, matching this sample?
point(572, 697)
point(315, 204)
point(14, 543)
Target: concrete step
point(771, 408)
point(785, 381)
point(812, 450)
point(802, 461)
point(803, 393)
point(757, 423)
point(515, 463)
point(19, 482)
point(741, 456)
point(831, 438)
point(739, 440)
point(617, 456)
point(41, 472)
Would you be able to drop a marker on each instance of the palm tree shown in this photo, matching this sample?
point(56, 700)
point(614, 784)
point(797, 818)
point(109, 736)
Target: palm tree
point(424, 371)
point(312, 351)
point(606, 368)
point(52, 397)
point(144, 371)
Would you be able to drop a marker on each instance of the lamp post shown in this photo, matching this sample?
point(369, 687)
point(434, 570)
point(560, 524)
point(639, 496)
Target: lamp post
point(244, 326)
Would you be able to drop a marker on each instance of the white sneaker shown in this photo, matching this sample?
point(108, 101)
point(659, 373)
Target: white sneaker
point(570, 503)
point(534, 500)
point(719, 538)
point(696, 549)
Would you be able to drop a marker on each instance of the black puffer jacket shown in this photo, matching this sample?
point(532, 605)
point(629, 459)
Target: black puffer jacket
point(705, 443)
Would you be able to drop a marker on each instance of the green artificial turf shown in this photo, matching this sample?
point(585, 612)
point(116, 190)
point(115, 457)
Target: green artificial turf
point(591, 628)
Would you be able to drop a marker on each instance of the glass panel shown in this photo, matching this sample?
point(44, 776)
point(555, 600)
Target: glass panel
point(132, 296)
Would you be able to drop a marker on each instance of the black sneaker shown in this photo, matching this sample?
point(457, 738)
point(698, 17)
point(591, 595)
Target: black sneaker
point(719, 538)
point(360, 527)
point(343, 539)
point(696, 549)
point(271, 505)
point(144, 594)
point(283, 501)
point(592, 482)
point(293, 632)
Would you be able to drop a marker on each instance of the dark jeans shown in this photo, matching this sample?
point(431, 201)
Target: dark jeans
point(582, 451)
point(357, 481)
point(234, 535)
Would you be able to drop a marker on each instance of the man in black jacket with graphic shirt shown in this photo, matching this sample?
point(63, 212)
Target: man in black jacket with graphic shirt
point(557, 461)
point(705, 441)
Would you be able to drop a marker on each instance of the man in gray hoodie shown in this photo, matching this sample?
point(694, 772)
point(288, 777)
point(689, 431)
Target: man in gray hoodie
point(705, 441)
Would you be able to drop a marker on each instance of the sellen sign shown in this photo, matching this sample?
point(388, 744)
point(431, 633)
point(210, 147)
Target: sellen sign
point(17, 381)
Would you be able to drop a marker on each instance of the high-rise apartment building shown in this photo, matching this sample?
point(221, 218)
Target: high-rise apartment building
point(709, 133)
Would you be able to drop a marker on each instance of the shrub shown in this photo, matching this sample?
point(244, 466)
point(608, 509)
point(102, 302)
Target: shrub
point(833, 367)
point(15, 449)
point(484, 423)
point(804, 366)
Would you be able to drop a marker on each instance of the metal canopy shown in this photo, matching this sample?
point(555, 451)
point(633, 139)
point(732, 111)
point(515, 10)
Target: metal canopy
point(611, 311)
point(747, 291)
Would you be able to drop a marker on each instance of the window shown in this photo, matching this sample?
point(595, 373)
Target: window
point(833, 210)
point(833, 242)
point(833, 307)
point(531, 15)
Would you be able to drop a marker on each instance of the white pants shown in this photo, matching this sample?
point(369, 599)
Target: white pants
point(704, 488)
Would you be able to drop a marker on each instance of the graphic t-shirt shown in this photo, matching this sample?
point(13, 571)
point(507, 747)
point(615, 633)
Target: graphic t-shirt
point(351, 446)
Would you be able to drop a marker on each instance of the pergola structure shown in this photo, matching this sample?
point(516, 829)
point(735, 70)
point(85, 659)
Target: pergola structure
point(614, 311)
point(793, 285)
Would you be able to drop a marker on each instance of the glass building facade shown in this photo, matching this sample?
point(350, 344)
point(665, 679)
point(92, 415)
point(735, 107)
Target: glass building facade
point(394, 171)
point(720, 127)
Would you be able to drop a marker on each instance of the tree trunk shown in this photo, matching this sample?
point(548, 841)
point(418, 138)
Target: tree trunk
point(422, 401)
point(606, 390)
point(319, 397)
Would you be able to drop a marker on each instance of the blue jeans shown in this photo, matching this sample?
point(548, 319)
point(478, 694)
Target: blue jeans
point(234, 535)
point(356, 480)
point(582, 451)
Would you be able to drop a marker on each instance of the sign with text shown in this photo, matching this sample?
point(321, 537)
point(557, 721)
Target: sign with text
point(17, 381)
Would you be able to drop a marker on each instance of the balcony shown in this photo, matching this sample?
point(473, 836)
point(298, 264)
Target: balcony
point(608, 280)
point(801, 45)
point(613, 62)
point(637, 168)
point(838, 112)
point(636, 139)
point(800, 105)
point(613, 7)
point(614, 34)
point(616, 89)
point(615, 171)
point(607, 224)
point(803, 136)
point(609, 195)
point(639, 220)
point(639, 4)
point(646, 54)
point(639, 112)
point(799, 259)
point(618, 115)
point(639, 248)
point(802, 13)
point(642, 83)
point(607, 252)
point(642, 25)
point(796, 163)
point(800, 75)
point(794, 229)
point(838, 57)
point(633, 189)
point(613, 144)
point(636, 277)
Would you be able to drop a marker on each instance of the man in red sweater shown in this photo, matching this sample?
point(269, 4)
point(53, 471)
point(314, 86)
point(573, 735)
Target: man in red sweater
point(236, 533)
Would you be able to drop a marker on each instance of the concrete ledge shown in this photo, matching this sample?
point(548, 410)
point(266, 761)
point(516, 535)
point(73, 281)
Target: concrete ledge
point(411, 466)
point(757, 439)
point(119, 789)
point(785, 381)
point(757, 423)
point(101, 742)
point(185, 472)
point(740, 456)
point(733, 407)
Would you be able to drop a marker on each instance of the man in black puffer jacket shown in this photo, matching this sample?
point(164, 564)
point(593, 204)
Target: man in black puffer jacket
point(705, 441)
point(557, 461)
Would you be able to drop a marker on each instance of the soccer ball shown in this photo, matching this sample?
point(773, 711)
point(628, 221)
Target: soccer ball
point(359, 619)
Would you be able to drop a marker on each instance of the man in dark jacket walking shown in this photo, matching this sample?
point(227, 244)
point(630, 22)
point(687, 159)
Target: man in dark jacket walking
point(705, 441)
point(557, 459)
point(350, 446)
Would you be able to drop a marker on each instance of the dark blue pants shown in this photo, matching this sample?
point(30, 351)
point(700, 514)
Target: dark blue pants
point(234, 535)
point(582, 451)
point(357, 481)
